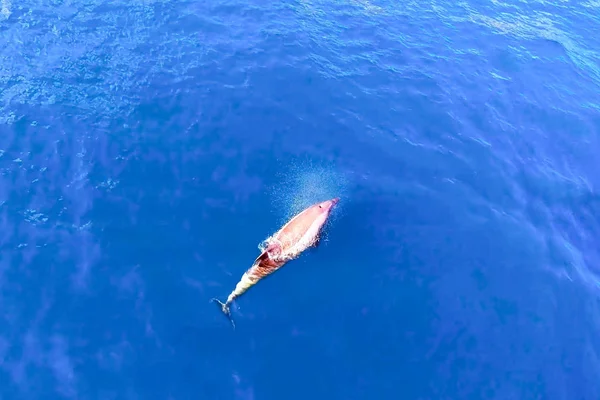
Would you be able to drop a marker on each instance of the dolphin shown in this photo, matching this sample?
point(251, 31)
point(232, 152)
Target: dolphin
point(297, 235)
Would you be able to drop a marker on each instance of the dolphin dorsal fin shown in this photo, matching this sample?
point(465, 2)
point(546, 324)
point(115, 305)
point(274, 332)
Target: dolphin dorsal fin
point(273, 249)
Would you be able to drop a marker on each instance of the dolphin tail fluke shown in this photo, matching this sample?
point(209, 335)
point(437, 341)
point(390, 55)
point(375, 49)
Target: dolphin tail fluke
point(225, 309)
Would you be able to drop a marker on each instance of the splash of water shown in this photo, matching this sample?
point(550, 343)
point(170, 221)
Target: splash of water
point(303, 183)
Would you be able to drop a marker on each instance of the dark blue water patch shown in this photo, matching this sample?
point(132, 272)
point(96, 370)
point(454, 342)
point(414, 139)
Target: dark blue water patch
point(147, 149)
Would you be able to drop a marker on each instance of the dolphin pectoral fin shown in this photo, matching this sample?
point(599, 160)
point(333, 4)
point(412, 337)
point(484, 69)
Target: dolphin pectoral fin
point(225, 308)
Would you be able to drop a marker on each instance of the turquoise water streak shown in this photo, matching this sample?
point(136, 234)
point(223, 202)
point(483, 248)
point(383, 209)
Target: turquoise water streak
point(147, 148)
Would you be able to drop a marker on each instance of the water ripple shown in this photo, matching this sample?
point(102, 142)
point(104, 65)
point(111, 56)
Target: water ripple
point(463, 119)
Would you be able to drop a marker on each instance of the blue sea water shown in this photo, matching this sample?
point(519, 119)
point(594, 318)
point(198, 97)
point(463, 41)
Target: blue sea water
point(148, 147)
